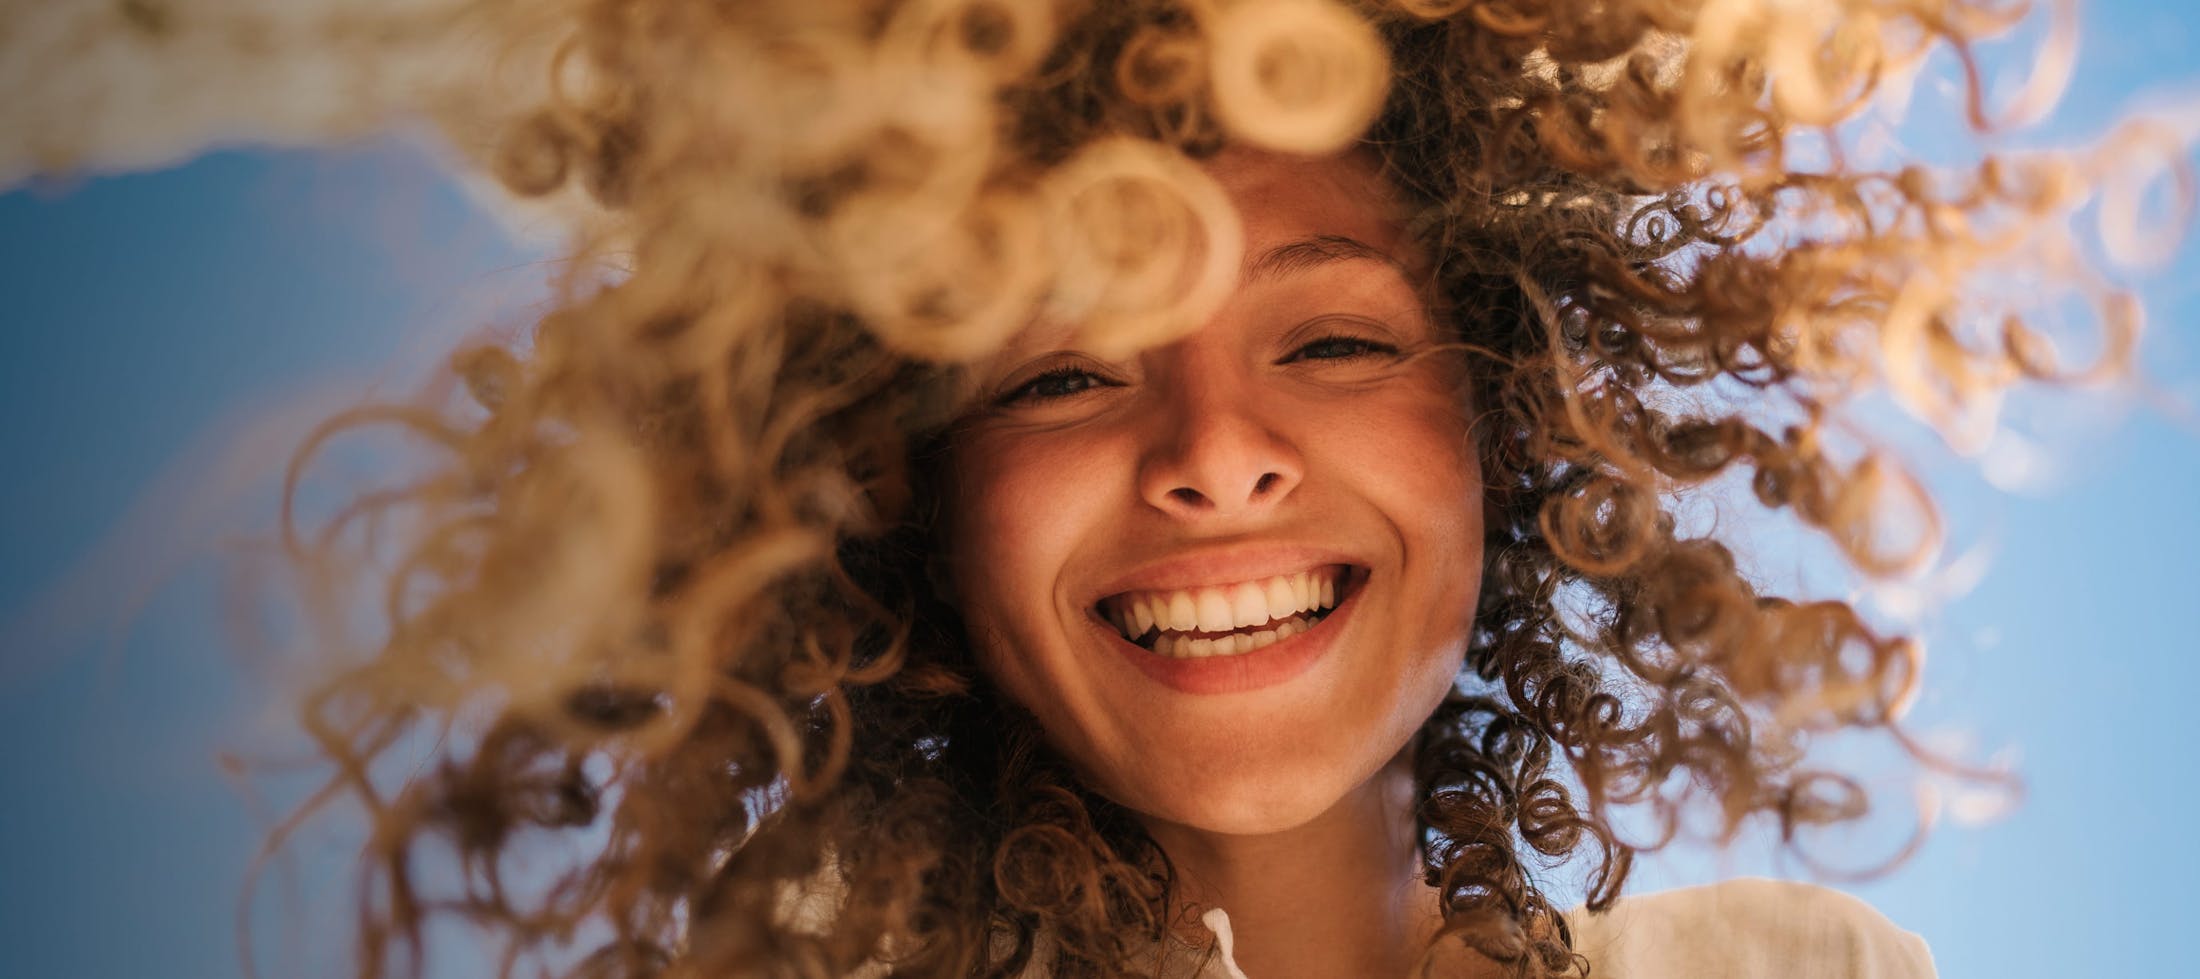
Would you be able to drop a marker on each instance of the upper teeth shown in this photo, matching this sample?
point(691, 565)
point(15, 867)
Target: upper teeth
point(1222, 608)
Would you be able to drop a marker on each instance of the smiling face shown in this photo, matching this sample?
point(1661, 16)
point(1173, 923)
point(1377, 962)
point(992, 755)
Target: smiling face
point(1233, 574)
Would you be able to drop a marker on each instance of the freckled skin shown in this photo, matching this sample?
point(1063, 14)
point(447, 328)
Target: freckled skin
point(1247, 431)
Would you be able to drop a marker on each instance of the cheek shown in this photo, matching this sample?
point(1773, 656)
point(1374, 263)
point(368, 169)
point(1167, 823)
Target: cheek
point(1418, 461)
point(1018, 510)
point(1423, 475)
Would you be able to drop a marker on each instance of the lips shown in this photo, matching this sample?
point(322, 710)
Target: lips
point(1227, 619)
point(1195, 661)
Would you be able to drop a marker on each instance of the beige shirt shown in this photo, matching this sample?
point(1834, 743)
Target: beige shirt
point(1750, 928)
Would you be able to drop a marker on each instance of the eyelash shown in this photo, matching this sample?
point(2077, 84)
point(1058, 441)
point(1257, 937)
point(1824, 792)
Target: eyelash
point(1366, 346)
point(1025, 392)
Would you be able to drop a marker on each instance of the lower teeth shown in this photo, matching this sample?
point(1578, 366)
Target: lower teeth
point(1176, 645)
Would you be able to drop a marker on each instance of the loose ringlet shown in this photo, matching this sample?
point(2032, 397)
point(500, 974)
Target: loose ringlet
point(651, 614)
point(1300, 76)
point(1150, 245)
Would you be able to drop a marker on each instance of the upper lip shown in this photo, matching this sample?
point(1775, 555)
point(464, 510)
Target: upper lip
point(1225, 565)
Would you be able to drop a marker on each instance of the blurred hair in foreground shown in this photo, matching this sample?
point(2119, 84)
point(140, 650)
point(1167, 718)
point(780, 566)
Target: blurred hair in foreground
point(659, 583)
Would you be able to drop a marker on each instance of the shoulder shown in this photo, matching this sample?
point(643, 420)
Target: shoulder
point(1748, 928)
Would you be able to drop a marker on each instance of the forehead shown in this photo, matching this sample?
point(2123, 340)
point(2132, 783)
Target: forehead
point(1282, 198)
point(1298, 214)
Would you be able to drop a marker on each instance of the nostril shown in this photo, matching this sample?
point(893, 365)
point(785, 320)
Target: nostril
point(1187, 496)
point(1265, 483)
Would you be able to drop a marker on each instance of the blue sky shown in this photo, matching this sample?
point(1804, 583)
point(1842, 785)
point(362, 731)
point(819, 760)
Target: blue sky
point(156, 317)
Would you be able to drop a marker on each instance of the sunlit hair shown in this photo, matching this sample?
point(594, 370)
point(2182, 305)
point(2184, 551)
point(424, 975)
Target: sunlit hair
point(658, 604)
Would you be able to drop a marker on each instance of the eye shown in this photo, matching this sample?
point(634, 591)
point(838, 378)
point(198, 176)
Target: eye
point(1340, 347)
point(1055, 384)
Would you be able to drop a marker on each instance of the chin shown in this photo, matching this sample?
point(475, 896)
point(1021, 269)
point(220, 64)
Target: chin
point(1249, 798)
point(1257, 816)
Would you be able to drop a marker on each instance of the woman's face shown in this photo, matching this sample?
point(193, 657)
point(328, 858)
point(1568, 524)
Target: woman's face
point(1232, 575)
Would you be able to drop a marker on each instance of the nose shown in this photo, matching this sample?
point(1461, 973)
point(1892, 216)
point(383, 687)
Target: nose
point(1218, 450)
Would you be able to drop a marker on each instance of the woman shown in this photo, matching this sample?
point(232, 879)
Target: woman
point(1143, 488)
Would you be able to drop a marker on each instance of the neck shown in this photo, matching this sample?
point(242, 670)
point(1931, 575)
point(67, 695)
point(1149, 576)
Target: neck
point(1338, 896)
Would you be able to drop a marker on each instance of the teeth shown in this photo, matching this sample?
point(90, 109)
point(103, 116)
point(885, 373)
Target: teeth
point(1215, 613)
point(1282, 599)
point(1183, 616)
point(1248, 605)
point(1251, 609)
point(1174, 645)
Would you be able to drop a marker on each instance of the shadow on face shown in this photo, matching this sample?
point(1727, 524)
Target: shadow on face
point(1232, 574)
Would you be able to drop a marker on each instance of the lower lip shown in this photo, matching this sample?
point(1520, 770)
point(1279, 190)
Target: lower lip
point(1264, 667)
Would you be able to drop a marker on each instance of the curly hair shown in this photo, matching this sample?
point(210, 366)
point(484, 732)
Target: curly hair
point(659, 605)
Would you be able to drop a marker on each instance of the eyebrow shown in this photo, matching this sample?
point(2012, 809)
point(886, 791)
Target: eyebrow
point(1301, 255)
point(1313, 252)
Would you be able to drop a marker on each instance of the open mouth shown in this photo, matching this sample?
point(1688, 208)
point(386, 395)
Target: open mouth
point(1232, 619)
